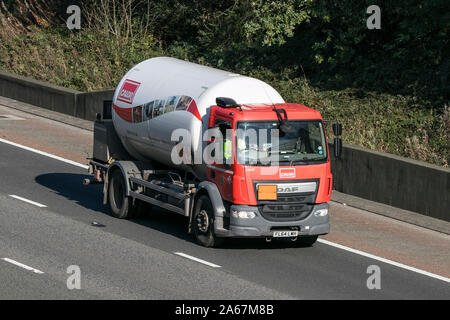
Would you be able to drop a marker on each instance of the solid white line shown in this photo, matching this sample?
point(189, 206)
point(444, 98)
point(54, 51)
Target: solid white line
point(397, 264)
point(7, 117)
point(197, 259)
point(22, 265)
point(28, 201)
point(362, 253)
point(45, 154)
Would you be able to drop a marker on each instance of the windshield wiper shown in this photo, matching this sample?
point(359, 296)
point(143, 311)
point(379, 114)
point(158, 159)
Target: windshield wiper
point(305, 161)
point(293, 162)
point(280, 152)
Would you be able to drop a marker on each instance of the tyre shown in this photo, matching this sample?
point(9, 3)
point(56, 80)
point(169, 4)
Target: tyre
point(203, 223)
point(306, 241)
point(121, 205)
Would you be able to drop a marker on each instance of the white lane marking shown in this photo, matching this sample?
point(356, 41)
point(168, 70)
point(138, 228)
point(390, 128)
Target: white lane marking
point(197, 259)
point(28, 201)
point(9, 117)
point(397, 264)
point(362, 253)
point(44, 154)
point(24, 266)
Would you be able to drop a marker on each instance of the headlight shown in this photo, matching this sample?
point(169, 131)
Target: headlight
point(244, 214)
point(321, 213)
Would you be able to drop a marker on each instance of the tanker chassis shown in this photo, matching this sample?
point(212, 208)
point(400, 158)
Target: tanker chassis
point(268, 174)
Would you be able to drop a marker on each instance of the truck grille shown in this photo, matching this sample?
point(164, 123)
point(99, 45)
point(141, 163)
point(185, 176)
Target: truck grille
point(301, 199)
point(288, 206)
point(283, 212)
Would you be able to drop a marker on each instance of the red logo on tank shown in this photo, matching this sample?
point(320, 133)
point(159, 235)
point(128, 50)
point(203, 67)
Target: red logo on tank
point(128, 90)
point(287, 172)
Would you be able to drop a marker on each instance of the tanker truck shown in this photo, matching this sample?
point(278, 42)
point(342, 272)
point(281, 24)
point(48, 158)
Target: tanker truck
point(221, 149)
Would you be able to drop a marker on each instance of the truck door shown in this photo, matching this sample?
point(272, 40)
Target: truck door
point(222, 173)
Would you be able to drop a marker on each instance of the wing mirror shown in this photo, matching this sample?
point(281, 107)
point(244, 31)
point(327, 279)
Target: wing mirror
point(337, 130)
point(337, 147)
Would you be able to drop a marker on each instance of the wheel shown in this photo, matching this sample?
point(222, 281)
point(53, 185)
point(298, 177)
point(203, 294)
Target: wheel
point(306, 241)
point(203, 223)
point(121, 205)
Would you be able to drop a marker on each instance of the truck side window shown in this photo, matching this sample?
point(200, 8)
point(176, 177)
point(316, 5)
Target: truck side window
point(227, 151)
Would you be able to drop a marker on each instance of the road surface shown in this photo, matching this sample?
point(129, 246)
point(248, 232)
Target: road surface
point(135, 259)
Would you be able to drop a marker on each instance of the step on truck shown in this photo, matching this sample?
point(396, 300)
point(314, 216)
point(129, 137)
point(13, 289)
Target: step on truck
point(223, 150)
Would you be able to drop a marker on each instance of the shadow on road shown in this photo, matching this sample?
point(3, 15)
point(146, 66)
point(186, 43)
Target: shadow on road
point(70, 186)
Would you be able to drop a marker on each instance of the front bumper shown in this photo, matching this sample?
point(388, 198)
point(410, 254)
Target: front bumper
point(261, 227)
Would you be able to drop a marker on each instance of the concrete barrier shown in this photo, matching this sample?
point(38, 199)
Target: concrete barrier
point(38, 93)
point(400, 182)
point(45, 95)
point(91, 103)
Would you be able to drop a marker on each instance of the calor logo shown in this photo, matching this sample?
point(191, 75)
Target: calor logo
point(287, 172)
point(128, 91)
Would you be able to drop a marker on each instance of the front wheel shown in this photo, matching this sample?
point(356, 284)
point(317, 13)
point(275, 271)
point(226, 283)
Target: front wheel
point(203, 223)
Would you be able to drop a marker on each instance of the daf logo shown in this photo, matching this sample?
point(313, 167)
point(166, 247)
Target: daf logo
point(299, 187)
point(288, 189)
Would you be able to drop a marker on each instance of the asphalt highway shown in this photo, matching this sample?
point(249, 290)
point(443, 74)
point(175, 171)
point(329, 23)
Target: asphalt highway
point(153, 257)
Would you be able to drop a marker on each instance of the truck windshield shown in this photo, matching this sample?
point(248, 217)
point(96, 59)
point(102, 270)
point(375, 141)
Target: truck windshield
point(262, 143)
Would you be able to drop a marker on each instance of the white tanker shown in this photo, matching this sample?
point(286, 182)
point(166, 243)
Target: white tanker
point(162, 94)
point(246, 197)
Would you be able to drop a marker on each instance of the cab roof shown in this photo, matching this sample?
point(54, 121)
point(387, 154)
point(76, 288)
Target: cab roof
point(254, 112)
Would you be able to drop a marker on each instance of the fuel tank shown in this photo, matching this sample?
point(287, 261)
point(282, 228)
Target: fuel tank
point(162, 94)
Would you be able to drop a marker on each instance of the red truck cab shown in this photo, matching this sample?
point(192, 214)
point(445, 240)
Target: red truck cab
point(275, 182)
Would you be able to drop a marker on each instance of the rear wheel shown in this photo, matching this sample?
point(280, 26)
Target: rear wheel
point(203, 223)
point(121, 205)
